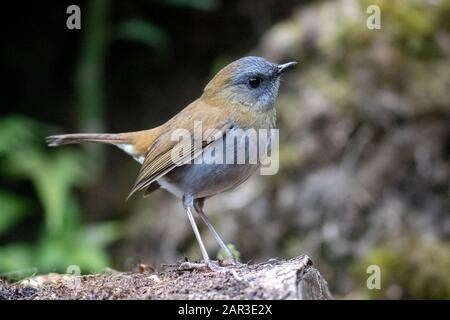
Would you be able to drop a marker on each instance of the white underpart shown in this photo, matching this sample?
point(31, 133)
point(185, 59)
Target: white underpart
point(129, 149)
point(171, 187)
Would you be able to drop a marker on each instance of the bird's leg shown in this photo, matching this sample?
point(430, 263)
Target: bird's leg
point(188, 203)
point(198, 205)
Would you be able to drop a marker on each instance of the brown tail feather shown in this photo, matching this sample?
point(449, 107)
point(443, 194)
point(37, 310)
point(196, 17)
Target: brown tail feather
point(57, 140)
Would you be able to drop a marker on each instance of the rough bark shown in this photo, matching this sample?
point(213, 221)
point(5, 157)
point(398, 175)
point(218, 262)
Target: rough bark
point(275, 279)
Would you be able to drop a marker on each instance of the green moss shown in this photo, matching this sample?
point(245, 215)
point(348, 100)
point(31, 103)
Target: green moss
point(412, 23)
point(417, 268)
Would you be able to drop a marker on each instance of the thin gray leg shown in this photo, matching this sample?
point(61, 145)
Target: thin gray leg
point(198, 205)
point(187, 203)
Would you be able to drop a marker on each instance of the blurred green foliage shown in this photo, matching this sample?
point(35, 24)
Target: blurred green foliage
point(414, 268)
point(221, 255)
point(145, 32)
point(379, 90)
point(150, 34)
point(413, 25)
point(63, 239)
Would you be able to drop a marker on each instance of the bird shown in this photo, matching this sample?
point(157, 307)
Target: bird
point(240, 97)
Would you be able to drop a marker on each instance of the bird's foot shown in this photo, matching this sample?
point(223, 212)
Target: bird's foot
point(211, 265)
point(208, 264)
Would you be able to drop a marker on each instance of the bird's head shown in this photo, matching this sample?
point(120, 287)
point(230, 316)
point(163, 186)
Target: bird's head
point(249, 81)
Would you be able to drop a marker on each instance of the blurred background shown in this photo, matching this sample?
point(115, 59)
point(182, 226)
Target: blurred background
point(364, 140)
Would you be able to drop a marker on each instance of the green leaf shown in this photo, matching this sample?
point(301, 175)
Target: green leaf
point(16, 131)
point(12, 210)
point(63, 240)
point(52, 253)
point(53, 175)
point(15, 261)
point(89, 259)
point(102, 234)
point(55, 253)
point(144, 32)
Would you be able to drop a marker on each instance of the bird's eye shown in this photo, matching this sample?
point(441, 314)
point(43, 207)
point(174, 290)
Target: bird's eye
point(254, 82)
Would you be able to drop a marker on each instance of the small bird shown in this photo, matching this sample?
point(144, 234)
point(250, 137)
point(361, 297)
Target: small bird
point(241, 96)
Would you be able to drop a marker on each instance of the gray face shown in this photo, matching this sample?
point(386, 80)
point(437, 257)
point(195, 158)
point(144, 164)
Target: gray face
point(255, 82)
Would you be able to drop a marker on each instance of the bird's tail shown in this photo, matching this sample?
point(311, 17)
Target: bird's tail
point(57, 140)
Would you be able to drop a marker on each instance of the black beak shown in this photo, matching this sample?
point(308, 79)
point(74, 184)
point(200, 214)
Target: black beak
point(283, 67)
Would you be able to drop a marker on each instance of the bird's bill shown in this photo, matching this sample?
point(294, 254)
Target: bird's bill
point(283, 67)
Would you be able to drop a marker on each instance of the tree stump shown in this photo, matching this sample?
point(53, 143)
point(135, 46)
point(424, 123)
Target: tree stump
point(275, 279)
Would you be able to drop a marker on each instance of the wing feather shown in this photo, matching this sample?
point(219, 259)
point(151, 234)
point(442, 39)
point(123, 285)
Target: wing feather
point(165, 154)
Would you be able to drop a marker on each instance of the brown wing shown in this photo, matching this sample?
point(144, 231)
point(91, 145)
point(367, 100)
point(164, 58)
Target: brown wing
point(166, 153)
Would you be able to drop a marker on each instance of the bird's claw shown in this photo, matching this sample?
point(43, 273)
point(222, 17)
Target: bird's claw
point(211, 265)
point(208, 264)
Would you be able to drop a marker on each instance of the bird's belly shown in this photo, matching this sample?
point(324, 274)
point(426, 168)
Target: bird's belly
point(206, 180)
point(224, 165)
